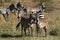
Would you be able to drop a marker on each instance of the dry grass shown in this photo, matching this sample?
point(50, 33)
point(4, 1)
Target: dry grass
point(10, 26)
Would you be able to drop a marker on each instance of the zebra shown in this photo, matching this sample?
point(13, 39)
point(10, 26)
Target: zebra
point(42, 6)
point(25, 21)
point(15, 8)
point(5, 12)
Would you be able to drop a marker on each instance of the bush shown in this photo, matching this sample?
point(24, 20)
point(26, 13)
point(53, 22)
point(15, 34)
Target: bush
point(55, 32)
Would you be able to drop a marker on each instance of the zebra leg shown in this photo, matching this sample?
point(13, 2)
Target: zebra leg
point(37, 28)
point(32, 31)
point(7, 16)
point(4, 15)
point(45, 31)
point(17, 25)
point(25, 31)
point(22, 31)
point(37, 32)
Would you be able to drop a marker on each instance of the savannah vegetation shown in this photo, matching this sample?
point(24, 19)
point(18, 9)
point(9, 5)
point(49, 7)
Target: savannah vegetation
point(52, 15)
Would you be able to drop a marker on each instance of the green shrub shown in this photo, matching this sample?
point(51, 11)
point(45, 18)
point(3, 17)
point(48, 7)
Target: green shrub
point(55, 32)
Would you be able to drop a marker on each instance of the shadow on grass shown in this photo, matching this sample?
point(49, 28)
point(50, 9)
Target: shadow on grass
point(7, 35)
point(13, 36)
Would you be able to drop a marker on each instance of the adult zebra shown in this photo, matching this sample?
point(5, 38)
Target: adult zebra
point(26, 20)
point(41, 23)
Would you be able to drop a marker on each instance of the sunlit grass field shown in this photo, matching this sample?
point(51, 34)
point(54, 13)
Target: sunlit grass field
point(32, 38)
point(8, 28)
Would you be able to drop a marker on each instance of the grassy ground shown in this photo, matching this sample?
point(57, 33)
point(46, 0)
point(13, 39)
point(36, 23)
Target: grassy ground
point(9, 27)
point(31, 38)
